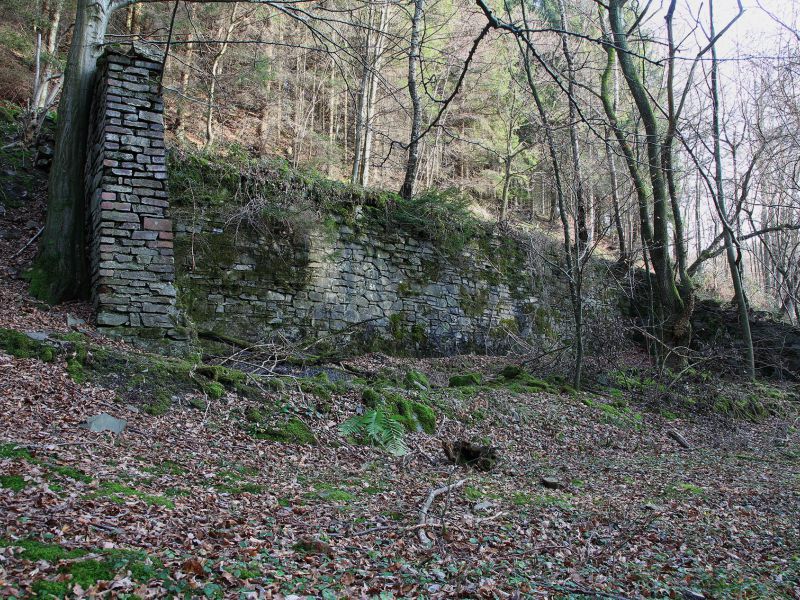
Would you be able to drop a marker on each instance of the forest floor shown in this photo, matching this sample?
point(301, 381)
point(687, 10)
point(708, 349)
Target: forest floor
point(187, 501)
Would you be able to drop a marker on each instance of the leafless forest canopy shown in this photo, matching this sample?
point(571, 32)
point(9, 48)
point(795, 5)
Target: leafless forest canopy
point(508, 103)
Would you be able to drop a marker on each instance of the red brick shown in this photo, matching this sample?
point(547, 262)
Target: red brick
point(152, 224)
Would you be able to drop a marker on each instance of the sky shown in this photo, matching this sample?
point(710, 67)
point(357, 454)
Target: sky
point(754, 33)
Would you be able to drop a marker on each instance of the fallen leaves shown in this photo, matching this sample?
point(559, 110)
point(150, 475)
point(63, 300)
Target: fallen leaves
point(575, 504)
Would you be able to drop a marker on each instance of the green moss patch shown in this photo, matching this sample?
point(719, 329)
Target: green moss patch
point(414, 380)
point(12, 451)
point(34, 550)
point(465, 380)
point(326, 491)
point(13, 482)
point(20, 345)
point(71, 473)
point(293, 431)
point(117, 492)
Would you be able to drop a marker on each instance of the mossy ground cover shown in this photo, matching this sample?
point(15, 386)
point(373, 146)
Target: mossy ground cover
point(20, 345)
point(249, 502)
point(147, 380)
point(83, 566)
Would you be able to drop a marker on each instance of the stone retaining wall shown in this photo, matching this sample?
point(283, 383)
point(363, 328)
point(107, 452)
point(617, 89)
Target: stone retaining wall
point(364, 286)
point(132, 262)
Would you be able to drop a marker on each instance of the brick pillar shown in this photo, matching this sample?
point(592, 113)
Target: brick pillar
point(132, 263)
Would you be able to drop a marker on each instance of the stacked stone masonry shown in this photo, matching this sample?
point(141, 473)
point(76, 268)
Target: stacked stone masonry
point(132, 260)
point(371, 288)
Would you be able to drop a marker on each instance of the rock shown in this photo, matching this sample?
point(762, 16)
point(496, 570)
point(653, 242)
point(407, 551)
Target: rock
point(38, 336)
point(105, 422)
point(73, 321)
point(482, 506)
point(552, 483)
point(693, 595)
point(679, 439)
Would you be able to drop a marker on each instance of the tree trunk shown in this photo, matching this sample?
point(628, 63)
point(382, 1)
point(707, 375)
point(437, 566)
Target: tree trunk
point(180, 122)
point(43, 92)
point(60, 272)
point(215, 66)
point(580, 200)
point(573, 270)
point(676, 315)
point(373, 88)
point(506, 186)
point(612, 172)
point(412, 165)
point(730, 249)
point(361, 110)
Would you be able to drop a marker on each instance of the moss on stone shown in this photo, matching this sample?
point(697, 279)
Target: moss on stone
point(214, 389)
point(542, 322)
point(416, 381)
point(293, 431)
point(222, 374)
point(465, 380)
point(473, 304)
point(511, 372)
point(426, 417)
point(20, 345)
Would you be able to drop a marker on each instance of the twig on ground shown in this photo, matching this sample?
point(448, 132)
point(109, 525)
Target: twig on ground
point(679, 438)
point(29, 242)
point(423, 513)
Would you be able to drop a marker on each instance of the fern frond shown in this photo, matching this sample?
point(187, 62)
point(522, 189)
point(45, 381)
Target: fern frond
point(353, 426)
point(380, 428)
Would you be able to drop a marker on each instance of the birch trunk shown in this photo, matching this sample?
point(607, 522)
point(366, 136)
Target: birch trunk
point(412, 165)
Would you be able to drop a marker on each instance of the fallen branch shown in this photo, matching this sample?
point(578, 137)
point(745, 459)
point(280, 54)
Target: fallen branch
point(423, 513)
point(30, 241)
point(679, 438)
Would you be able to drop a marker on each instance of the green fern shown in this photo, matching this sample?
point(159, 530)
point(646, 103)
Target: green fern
point(378, 427)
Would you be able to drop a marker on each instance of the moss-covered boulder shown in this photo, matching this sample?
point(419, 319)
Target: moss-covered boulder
point(465, 380)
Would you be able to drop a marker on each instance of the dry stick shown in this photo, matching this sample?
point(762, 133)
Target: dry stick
point(30, 241)
point(423, 513)
point(679, 438)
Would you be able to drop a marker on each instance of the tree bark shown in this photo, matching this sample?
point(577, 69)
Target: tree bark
point(728, 233)
point(60, 272)
point(677, 326)
point(215, 65)
point(577, 177)
point(412, 165)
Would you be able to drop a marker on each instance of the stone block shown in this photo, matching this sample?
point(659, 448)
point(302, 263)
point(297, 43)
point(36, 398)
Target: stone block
point(152, 224)
point(111, 319)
